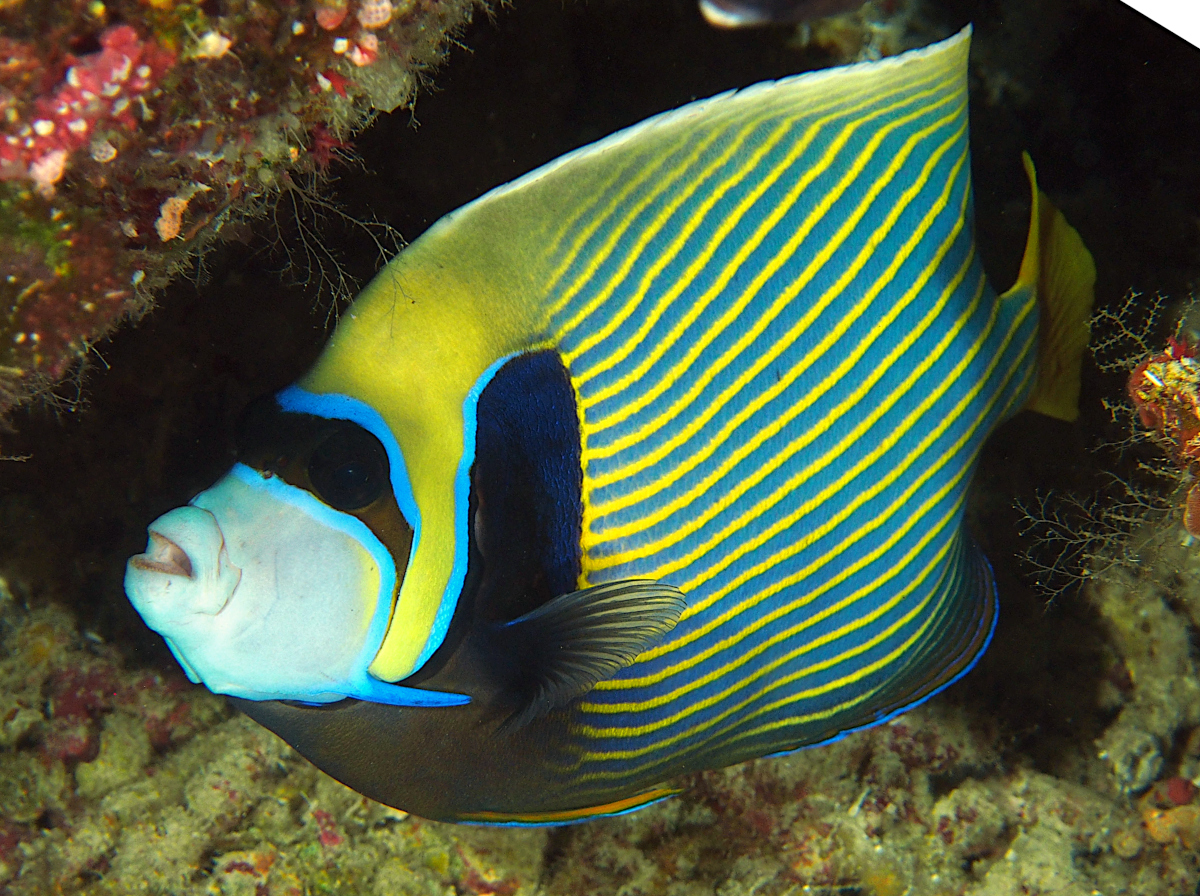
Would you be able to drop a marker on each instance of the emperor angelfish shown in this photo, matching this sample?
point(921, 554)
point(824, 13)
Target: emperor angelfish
point(651, 461)
point(752, 13)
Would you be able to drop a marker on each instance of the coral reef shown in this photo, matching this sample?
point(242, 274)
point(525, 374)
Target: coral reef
point(133, 133)
point(115, 781)
point(1159, 694)
point(1145, 585)
point(1165, 390)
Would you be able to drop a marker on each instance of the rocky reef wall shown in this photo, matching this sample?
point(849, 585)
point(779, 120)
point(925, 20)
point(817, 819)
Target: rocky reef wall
point(133, 134)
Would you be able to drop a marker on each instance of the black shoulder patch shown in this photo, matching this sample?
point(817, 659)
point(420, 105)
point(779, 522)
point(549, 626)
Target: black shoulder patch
point(528, 481)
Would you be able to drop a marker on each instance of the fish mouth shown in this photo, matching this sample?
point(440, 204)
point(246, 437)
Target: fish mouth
point(165, 556)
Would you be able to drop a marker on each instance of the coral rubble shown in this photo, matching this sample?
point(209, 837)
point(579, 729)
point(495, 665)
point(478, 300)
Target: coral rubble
point(132, 133)
point(115, 781)
point(119, 782)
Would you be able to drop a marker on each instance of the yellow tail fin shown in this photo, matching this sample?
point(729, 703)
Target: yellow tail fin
point(1059, 268)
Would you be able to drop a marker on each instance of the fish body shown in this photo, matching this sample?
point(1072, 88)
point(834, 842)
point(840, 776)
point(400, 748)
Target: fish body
point(754, 13)
point(649, 462)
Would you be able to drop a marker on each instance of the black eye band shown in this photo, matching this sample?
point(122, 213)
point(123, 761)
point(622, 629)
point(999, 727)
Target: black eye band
point(349, 469)
point(338, 461)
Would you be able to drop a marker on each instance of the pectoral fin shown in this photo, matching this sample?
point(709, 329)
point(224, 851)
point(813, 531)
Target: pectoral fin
point(570, 643)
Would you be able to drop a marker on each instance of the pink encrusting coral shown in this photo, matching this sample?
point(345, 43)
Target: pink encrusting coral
point(132, 133)
point(97, 90)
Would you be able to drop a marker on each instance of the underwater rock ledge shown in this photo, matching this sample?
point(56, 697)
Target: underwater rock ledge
point(134, 134)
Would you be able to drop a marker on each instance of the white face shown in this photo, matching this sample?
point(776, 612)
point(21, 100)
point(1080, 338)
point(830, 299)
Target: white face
point(264, 592)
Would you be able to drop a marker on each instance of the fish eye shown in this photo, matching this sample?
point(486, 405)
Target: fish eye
point(348, 470)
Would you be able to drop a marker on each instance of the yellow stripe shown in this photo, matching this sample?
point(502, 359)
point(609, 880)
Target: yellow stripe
point(651, 231)
point(832, 99)
point(631, 176)
point(819, 259)
point(944, 596)
point(619, 227)
point(896, 506)
point(795, 579)
point(862, 562)
point(715, 441)
point(721, 735)
point(853, 401)
point(727, 225)
point(758, 569)
point(642, 730)
point(910, 522)
point(861, 698)
point(781, 636)
point(1017, 364)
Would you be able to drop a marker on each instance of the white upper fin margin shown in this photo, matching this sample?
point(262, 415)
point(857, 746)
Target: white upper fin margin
point(699, 109)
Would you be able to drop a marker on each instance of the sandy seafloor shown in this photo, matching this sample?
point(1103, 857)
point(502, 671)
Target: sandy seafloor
point(1061, 765)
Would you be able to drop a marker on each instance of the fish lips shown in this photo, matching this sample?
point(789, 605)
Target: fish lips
point(264, 592)
point(185, 569)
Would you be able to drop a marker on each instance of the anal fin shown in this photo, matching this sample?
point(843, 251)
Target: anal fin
point(572, 816)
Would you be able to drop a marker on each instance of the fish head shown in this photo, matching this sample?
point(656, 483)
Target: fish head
point(279, 581)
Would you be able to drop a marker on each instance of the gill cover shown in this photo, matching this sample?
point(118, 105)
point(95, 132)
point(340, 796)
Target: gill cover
point(264, 592)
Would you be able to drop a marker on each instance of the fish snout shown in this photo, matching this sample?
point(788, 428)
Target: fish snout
point(185, 569)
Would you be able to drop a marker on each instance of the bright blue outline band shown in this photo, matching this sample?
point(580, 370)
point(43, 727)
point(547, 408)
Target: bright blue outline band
point(462, 523)
point(335, 406)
